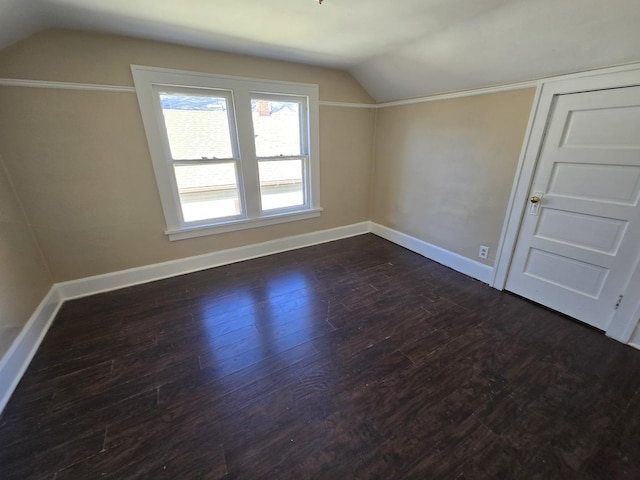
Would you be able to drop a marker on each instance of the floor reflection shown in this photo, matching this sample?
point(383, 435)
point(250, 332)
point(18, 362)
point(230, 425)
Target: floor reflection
point(256, 323)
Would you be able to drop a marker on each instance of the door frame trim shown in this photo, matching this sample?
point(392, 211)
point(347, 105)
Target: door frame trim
point(625, 318)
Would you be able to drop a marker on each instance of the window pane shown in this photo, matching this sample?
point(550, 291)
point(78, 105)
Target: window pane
point(197, 126)
point(208, 191)
point(276, 126)
point(281, 183)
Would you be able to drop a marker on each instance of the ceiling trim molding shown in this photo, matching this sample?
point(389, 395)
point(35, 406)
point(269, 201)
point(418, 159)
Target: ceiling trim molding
point(512, 86)
point(347, 104)
point(462, 93)
point(94, 87)
point(18, 82)
point(50, 84)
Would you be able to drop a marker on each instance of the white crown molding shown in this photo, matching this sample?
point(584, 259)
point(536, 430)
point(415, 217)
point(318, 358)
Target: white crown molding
point(16, 360)
point(18, 82)
point(15, 82)
point(511, 86)
point(348, 105)
point(94, 87)
point(460, 94)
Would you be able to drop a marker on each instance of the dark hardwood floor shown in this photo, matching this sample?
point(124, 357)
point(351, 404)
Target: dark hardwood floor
point(352, 359)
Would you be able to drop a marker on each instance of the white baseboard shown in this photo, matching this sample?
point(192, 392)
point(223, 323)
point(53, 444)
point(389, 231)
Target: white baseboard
point(465, 265)
point(135, 276)
point(15, 362)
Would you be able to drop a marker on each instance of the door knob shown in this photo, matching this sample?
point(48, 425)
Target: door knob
point(535, 199)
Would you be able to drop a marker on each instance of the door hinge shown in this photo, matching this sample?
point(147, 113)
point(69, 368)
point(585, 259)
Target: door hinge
point(619, 301)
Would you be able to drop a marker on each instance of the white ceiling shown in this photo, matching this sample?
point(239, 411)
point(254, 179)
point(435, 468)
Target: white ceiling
point(395, 48)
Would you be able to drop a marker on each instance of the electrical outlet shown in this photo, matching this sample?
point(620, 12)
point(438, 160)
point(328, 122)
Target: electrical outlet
point(483, 252)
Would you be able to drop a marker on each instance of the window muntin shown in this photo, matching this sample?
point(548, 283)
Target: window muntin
point(236, 182)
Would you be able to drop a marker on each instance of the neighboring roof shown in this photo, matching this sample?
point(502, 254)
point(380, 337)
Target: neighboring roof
point(395, 48)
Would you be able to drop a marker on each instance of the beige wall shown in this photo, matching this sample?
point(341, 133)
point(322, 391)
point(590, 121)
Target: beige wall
point(24, 279)
point(81, 166)
point(444, 169)
point(71, 56)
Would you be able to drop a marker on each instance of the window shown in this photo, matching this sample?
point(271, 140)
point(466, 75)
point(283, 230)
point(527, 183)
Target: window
point(230, 153)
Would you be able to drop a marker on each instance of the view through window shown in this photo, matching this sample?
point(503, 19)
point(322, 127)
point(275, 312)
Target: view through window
point(279, 148)
point(199, 135)
point(230, 150)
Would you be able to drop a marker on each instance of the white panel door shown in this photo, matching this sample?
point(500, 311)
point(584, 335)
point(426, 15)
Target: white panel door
point(579, 241)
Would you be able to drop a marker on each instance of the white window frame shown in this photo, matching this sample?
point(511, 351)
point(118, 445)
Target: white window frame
point(239, 91)
point(304, 155)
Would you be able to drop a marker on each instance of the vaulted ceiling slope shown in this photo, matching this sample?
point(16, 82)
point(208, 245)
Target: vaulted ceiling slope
point(395, 48)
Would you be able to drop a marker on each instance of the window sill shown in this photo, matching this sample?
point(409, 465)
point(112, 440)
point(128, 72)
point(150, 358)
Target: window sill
point(234, 225)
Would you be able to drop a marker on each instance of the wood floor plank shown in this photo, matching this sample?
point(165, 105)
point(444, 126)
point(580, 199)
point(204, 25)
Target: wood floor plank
point(350, 359)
